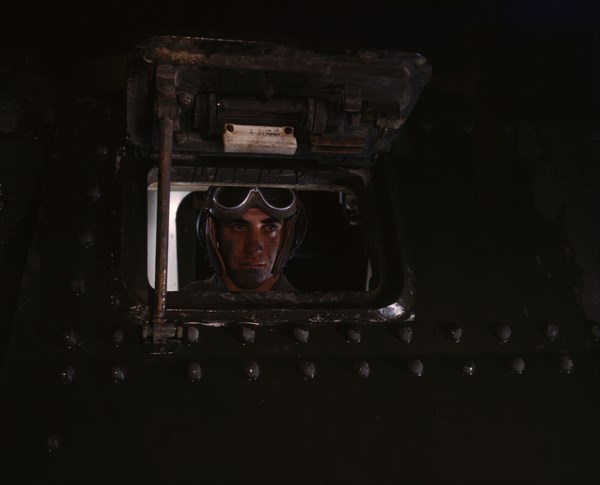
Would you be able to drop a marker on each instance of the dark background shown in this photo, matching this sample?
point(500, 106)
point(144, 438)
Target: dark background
point(499, 174)
point(536, 57)
point(514, 59)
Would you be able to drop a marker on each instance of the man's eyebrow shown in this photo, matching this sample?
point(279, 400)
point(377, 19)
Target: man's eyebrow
point(271, 220)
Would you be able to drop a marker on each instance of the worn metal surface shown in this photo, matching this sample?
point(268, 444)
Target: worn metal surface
point(344, 106)
point(81, 401)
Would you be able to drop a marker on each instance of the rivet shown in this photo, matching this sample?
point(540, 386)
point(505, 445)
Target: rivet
point(77, 286)
point(288, 130)
point(248, 334)
point(308, 369)
point(468, 368)
point(454, 333)
point(181, 138)
point(118, 373)
point(405, 333)
point(68, 375)
point(517, 365)
point(93, 193)
point(550, 331)
point(53, 443)
point(502, 332)
point(362, 369)
point(101, 152)
point(185, 99)
point(301, 334)
point(177, 124)
point(353, 334)
point(427, 126)
point(70, 338)
point(193, 334)
point(86, 238)
point(194, 371)
point(565, 364)
point(251, 370)
point(229, 128)
point(415, 367)
point(118, 336)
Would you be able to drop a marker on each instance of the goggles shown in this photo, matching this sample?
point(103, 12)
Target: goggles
point(230, 203)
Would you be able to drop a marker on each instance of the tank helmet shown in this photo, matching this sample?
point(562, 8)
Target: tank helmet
point(228, 204)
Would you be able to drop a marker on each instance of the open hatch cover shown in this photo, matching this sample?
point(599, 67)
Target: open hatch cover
point(254, 99)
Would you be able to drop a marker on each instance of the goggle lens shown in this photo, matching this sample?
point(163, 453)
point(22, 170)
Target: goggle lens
point(278, 198)
point(232, 197)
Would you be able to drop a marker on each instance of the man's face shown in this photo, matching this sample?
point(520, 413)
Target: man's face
point(249, 247)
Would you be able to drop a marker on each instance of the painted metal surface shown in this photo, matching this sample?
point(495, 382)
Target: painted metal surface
point(510, 398)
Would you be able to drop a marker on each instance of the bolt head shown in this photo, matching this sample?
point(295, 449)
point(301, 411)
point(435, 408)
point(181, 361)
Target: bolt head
point(194, 371)
point(118, 373)
point(308, 369)
point(192, 334)
point(93, 193)
point(70, 338)
point(517, 365)
point(248, 334)
point(101, 152)
point(405, 334)
point(353, 334)
point(502, 332)
point(468, 368)
point(565, 364)
point(550, 331)
point(53, 443)
point(86, 238)
point(252, 370)
point(118, 336)
point(185, 99)
point(415, 367)
point(454, 333)
point(77, 286)
point(68, 375)
point(301, 334)
point(362, 369)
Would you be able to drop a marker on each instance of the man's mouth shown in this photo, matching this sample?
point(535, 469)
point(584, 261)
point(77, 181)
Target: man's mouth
point(253, 265)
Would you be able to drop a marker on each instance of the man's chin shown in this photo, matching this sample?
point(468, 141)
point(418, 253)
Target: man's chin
point(250, 279)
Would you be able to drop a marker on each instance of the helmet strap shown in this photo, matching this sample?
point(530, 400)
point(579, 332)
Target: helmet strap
point(266, 286)
point(213, 247)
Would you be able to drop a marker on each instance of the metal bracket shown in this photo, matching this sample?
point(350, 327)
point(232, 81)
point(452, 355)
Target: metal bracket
point(166, 106)
point(162, 338)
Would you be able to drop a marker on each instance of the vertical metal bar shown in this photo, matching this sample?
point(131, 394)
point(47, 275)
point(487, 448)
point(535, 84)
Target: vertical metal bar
point(162, 219)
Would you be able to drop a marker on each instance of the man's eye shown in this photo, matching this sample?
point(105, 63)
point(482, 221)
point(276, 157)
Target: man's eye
point(237, 227)
point(272, 227)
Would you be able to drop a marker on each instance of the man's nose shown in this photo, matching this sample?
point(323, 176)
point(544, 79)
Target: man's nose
point(253, 243)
